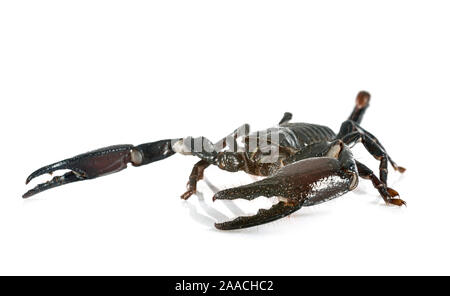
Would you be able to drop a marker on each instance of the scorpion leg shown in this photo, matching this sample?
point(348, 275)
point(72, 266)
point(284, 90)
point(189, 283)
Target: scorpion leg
point(198, 169)
point(101, 162)
point(394, 165)
point(352, 133)
point(196, 175)
point(286, 118)
point(379, 154)
point(310, 180)
point(388, 194)
point(206, 152)
point(352, 125)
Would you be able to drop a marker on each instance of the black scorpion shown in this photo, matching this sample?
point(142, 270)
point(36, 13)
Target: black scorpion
point(304, 164)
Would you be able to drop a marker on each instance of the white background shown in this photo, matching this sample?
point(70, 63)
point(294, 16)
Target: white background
point(79, 75)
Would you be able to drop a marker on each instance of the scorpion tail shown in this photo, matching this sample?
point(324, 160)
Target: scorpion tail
point(101, 162)
point(362, 103)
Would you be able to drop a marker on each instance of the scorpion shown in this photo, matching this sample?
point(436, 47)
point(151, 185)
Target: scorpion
point(312, 164)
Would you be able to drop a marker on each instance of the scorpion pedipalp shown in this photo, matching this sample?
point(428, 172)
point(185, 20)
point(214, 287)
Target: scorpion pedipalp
point(263, 216)
point(85, 166)
point(307, 182)
point(99, 163)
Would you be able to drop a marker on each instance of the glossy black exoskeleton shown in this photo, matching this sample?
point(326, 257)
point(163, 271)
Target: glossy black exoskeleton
point(304, 164)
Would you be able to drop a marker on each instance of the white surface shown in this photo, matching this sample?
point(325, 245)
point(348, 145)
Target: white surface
point(75, 76)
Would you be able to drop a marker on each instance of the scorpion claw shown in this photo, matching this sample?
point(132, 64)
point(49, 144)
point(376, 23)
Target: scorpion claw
point(263, 216)
point(55, 182)
point(47, 170)
point(102, 162)
point(85, 166)
point(297, 184)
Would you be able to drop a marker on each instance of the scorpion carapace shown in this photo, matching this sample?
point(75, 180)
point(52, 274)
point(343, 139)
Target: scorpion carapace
point(304, 164)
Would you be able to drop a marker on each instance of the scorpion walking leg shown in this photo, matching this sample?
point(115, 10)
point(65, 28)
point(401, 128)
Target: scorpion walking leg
point(101, 162)
point(352, 133)
point(352, 125)
point(386, 193)
point(286, 118)
point(379, 154)
point(196, 175)
point(394, 165)
point(199, 167)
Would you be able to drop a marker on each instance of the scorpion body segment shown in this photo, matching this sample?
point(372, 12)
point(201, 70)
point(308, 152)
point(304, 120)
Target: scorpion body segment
point(297, 135)
point(311, 164)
